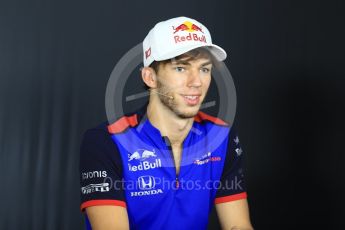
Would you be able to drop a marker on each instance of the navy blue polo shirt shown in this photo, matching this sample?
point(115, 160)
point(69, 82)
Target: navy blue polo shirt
point(130, 164)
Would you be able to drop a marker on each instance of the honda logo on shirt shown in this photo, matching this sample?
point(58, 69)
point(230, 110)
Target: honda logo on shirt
point(146, 182)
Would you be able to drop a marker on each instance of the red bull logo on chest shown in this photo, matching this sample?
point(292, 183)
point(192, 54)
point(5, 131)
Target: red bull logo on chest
point(188, 27)
point(143, 159)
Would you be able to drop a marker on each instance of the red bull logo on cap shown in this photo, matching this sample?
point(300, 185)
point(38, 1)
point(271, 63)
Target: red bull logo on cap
point(188, 27)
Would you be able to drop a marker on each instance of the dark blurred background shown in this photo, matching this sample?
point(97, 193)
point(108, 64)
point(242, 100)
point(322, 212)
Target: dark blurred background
point(287, 59)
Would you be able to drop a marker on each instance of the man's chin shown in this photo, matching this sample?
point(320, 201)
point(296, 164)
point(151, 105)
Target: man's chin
point(188, 113)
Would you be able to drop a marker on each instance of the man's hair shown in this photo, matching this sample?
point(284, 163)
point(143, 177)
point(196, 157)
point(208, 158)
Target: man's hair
point(194, 54)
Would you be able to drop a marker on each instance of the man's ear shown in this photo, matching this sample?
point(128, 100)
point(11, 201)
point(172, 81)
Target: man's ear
point(149, 77)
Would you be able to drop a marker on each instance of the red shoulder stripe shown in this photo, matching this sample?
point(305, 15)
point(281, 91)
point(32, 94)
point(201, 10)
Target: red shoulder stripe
point(102, 202)
point(242, 195)
point(201, 116)
point(123, 123)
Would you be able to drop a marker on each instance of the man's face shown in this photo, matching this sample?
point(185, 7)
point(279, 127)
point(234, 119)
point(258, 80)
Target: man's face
point(187, 81)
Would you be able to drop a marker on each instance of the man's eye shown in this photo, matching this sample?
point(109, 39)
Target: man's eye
point(205, 70)
point(179, 69)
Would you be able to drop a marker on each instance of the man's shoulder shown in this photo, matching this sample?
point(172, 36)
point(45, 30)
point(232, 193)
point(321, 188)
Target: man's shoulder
point(97, 143)
point(118, 125)
point(205, 118)
point(123, 123)
point(96, 135)
point(100, 129)
point(128, 120)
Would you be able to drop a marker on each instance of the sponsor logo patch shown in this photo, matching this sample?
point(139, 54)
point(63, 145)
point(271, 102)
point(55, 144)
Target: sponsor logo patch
point(191, 36)
point(142, 160)
point(206, 159)
point(148, 53)
point(103, 187)
point(147, 184)
point(93, 174)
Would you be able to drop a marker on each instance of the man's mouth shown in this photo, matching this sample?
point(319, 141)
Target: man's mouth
point(192, 99)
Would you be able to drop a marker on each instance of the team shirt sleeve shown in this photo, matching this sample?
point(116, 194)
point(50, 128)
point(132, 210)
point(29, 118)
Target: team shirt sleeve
point(100, 170)
point(232, 185)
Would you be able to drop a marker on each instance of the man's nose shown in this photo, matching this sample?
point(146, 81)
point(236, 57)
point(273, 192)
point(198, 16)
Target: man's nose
point(194, 79)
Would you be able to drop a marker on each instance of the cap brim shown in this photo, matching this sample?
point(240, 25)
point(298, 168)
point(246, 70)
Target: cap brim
point(218, 52)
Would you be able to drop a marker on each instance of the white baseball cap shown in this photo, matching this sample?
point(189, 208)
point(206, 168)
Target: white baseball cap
point(176, 36)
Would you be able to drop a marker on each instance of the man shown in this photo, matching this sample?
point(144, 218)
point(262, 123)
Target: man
point(157, 168)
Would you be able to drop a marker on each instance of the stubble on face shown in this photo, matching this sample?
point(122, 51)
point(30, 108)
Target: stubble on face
point(171, 103)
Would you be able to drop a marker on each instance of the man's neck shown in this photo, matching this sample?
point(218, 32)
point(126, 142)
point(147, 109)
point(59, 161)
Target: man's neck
point(168, 123)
